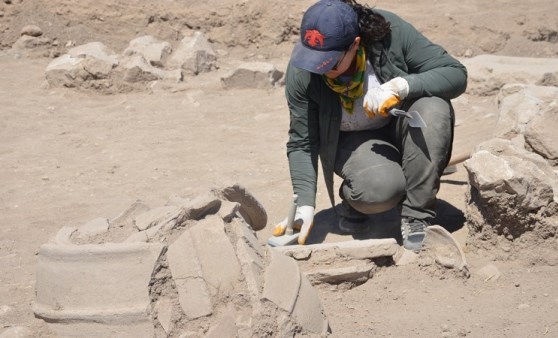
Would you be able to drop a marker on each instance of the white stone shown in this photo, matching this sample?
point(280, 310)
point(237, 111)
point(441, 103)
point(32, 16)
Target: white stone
point(194, 55)
point(136, 69)
point(95, 49)
point(521, 104)
point(358, 249)
point(489, 73)
point(540, 133)
point(253, 75)
point(30, 42)
point(152, 49)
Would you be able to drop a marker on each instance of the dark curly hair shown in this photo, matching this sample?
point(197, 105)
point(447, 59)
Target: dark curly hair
point(373, 27)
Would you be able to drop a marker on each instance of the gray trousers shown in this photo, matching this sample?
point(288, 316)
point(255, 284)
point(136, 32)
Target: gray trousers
point(397, 164)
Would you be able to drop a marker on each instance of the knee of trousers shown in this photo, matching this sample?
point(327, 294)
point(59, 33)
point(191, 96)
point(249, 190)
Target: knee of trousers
point(376, 189)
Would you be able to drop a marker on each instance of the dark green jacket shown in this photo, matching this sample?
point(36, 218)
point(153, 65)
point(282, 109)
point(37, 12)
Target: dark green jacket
point(315, 110)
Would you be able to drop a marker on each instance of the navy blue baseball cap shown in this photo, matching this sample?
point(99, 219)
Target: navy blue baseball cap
point(328, 29)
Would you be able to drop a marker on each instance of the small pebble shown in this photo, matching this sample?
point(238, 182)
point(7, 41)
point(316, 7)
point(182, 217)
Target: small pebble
point(31, 30)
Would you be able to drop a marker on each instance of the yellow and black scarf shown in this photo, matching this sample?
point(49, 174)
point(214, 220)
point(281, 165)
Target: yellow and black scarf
point(352, 90)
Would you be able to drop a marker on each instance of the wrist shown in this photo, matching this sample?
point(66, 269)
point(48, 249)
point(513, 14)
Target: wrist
point(306, 209)
point(399, 86)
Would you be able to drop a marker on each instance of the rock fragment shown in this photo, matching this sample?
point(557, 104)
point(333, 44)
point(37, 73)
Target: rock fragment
point(356, 274)
point(154, 51)
point(136, 69)
point(87, 65)
point(30, 42)
point(253, 75)
point(194, 55)
point(357, 249)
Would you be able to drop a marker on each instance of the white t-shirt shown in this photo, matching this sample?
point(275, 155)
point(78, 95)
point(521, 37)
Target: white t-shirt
point(358, 120)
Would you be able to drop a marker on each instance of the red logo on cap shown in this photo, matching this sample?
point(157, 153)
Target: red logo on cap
point(314, 37)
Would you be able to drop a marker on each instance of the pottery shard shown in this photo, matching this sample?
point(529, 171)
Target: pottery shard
point(155, 216)
point(251, 209)
point(308, 310)
point(84, 283)
point(93, 227)
point(216, 254)
point(128, 215)
point(282, 291)
point(187, 273)
point(226, 327)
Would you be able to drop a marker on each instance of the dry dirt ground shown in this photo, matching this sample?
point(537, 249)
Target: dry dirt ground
point(68, 157)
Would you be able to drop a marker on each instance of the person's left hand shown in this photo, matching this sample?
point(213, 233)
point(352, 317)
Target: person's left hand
point(303, 221)
point(379, 100)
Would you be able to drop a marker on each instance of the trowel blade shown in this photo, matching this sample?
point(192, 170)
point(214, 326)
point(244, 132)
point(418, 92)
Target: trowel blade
point(415, 120)
point(413, 117)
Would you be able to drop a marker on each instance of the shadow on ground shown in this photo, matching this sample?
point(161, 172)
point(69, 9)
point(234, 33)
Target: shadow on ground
point(384, 225)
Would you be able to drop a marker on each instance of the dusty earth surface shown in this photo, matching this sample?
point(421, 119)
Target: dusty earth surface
point(68, 157)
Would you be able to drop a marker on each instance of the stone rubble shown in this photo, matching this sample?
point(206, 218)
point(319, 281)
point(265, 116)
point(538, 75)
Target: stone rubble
point(253, 75)
point(513, 182)
point(144, 62)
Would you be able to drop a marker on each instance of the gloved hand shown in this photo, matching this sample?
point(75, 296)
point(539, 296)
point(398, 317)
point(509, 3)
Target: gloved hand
point(303, 221)
point(379, 100)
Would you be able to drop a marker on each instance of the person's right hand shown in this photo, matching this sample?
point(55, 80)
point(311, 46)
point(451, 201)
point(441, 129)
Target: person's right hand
point(379, 100)
point(303, 221)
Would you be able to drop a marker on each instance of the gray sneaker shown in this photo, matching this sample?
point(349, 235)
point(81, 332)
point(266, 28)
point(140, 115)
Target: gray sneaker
point(352, 221)
point(413, 232)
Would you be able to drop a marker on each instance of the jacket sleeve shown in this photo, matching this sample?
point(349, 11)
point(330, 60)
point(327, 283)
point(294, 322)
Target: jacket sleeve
point(303, 143)
point(431, 70)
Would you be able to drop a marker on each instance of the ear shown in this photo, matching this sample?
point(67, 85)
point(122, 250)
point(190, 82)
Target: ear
point(357, 41)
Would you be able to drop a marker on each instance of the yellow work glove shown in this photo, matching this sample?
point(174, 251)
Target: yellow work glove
point(303, 221)
point(379, 100)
